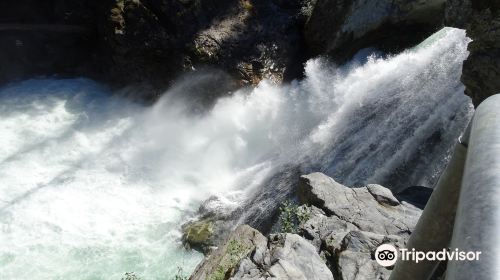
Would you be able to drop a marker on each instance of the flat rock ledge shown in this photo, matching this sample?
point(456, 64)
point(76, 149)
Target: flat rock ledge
point(337, 238)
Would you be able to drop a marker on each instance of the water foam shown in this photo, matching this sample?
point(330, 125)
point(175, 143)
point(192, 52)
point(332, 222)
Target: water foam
point(93, 186)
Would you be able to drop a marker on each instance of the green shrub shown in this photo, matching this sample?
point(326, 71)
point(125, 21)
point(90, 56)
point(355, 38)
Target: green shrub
point(288, 217)
point(292, 216)
point(303, 214)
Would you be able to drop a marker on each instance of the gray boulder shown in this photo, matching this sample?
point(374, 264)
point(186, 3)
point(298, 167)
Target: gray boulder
point(372, 208)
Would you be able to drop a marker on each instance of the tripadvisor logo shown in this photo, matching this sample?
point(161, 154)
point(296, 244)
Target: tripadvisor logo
point(387, 255)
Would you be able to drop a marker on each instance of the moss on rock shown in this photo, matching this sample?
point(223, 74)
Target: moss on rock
point(197, 234)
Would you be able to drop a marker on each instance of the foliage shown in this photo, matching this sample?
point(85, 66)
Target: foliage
point(291, 216)
point(303, 214)
point(288, 217)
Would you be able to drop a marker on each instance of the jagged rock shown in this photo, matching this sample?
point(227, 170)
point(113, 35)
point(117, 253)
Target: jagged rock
point(372, 208)
point(352, 222)
point(287, 256)
point(481, 70)
point(341, 28)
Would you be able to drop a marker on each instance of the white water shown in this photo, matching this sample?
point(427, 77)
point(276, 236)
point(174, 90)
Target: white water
point(93, 186)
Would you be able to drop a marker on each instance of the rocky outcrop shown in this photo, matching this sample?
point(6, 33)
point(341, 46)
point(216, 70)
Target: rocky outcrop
point(339, 228)
point(340, 28)
point(249, 255)
point(481, 19)
point(347, 224)
point(249, 39)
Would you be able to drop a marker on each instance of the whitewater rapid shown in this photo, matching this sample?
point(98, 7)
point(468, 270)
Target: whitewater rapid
point(93, 185)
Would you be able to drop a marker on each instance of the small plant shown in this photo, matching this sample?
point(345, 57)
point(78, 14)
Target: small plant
point(303, 214)
point(292, 216)
point(288, 217)
point(180, 274)
point(330, 242)
point(130, 276)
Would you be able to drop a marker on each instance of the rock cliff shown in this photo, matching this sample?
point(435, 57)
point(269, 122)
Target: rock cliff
point(481, 70)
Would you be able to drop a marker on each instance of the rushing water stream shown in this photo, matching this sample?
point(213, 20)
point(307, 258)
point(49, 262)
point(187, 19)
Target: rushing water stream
point(93, 186)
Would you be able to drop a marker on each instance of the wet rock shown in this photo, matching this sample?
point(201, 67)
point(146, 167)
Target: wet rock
point(198, 234)
point(210, 227)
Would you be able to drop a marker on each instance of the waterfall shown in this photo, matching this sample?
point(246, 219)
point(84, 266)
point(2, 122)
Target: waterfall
point(93, 185)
